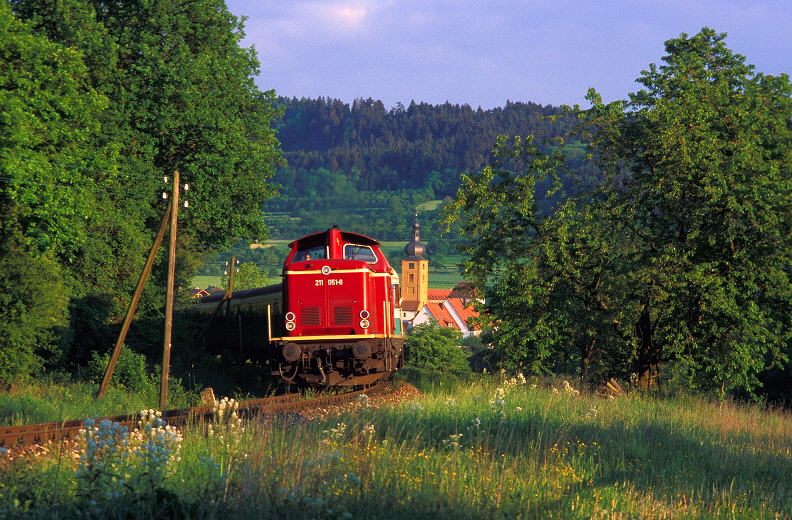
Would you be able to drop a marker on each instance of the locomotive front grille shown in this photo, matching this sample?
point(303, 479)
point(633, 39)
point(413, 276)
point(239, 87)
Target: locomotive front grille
point(342, 315)
point(310, 316)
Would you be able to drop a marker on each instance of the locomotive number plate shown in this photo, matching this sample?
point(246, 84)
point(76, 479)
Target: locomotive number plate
point(330, 281)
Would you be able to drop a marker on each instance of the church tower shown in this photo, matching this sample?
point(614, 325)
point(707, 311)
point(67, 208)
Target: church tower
point(415, 274)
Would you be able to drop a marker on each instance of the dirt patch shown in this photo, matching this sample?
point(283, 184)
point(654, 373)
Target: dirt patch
point(392, 395)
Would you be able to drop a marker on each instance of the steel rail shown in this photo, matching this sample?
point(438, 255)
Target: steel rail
point(42, 433)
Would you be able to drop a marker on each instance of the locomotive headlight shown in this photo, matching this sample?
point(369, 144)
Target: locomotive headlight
point(364, 314)
point(290, 325)
point(290, 316)
point(364, 324)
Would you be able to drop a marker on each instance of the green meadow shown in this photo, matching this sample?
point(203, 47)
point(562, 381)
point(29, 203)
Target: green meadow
point(495, 447)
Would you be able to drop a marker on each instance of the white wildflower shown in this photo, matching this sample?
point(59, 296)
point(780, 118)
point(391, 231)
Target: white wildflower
point(474, 428)
point(452, 442)
point(498, 403)
point(568, 389)
point(335, 435)
point(368, 433)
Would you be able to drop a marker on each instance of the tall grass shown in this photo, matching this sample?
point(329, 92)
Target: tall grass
point(51, 400)
point(489, 449)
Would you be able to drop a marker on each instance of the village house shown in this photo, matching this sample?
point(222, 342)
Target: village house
point(448, 307)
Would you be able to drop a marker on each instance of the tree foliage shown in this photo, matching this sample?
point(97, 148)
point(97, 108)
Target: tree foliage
point(49, 112)
point(418, 146)
point(248, 276)
point(182, 97)
point(368, 168)
point(100, 101)
point(433, 347)
point(680, 253)
point(32, 307)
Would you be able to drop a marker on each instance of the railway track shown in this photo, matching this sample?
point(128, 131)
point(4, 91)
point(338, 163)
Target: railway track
point(11, 436)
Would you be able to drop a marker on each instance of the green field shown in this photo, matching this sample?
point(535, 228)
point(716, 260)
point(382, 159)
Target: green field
point(203, 282)
point(490, 448)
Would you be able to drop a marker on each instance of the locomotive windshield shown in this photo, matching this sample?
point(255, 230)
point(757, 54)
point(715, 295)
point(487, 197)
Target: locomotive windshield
point(310, 253)
point(363, 253)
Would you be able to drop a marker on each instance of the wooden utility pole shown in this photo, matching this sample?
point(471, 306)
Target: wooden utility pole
point(166, 344)
point(133, 305)
point(230, 291)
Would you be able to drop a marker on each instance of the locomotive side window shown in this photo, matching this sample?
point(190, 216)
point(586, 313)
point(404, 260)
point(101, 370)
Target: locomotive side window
point(356, 252)
point(310, 253)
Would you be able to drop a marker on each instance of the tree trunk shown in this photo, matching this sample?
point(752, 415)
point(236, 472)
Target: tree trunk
point(585, 358)
point(647, 355)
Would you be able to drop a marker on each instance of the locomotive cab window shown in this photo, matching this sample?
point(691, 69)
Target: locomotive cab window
point(363, 253)
point(310, 253)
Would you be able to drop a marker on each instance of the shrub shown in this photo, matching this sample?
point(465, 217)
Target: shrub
point(431, 346)
point(32, 305)
point(131, 370)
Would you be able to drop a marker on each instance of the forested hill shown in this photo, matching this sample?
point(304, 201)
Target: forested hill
point(378, 164)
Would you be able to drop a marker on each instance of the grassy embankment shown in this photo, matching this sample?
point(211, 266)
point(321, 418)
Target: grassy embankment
point(490, 449)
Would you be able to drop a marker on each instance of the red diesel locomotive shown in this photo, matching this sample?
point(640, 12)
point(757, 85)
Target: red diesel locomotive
point(334, 320)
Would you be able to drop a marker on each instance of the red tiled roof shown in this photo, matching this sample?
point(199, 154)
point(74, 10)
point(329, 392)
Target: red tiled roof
point(438, 295)
point(464, 312)
point(441, 314)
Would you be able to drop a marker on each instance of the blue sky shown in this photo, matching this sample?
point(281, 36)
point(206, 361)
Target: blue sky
point(484, 53)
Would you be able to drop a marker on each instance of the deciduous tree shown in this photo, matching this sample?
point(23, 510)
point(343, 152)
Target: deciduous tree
point(100, 101)
point(248, 276)
point(49, 112)
point(182, 97)
point(681, 252)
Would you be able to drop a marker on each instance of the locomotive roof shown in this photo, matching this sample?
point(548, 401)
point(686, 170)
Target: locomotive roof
point(346, 236)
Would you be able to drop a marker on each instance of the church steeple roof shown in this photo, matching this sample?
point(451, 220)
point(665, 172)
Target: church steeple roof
point(415, 250)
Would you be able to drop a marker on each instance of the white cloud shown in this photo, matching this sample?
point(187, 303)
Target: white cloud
point(335, 18)
point(476, 52)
